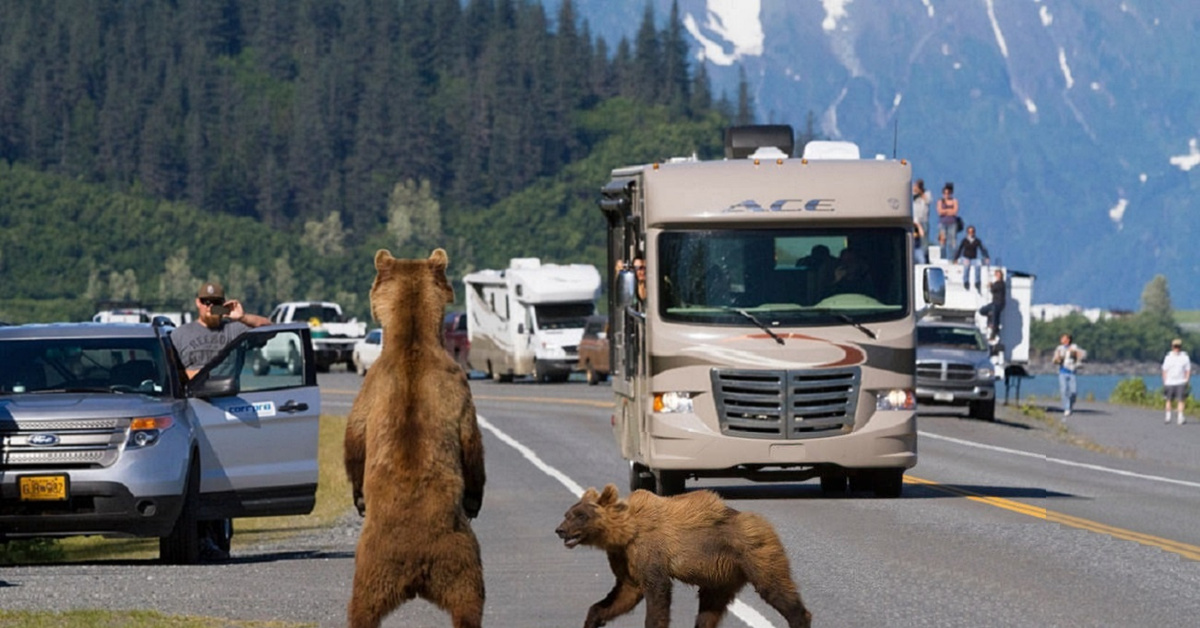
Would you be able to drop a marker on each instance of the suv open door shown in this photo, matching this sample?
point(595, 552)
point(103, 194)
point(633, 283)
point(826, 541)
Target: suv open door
point(258, 436)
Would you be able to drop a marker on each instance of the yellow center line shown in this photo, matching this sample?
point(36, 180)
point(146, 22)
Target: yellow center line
point(1175, 547)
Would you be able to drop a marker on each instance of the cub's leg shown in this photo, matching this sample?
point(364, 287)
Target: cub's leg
point(456, 579)
point(624, 596)
point(380, 586)
point(713, 603)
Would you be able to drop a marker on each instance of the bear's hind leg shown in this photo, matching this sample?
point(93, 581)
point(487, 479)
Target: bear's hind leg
point(456, 580)
point(377, 592)
point(770, 574)
point(713, 603)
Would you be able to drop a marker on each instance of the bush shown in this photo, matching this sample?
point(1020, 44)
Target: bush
point(1133, 391)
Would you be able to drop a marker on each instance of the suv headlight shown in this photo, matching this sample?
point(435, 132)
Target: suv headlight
point(984, 371)
point(677, 402)
point(896, 399)
point(144, 431)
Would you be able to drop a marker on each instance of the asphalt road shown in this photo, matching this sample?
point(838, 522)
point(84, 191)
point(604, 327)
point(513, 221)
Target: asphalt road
point(1021, 522)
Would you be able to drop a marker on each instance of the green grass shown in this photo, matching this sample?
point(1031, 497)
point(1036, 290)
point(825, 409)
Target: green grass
point(127, 619)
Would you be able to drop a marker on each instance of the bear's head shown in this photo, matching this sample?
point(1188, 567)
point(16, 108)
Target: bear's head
point(599, 519)
point(409, 297)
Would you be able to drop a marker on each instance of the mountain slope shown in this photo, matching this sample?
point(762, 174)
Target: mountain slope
point(1068, 128)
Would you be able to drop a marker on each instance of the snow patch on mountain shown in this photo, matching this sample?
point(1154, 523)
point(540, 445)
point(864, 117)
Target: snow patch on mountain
point(731, 31)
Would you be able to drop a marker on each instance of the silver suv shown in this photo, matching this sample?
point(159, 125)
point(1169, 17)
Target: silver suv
point(954, 367)
point(101, 433)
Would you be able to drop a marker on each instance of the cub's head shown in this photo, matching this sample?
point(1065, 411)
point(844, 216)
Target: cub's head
point(410, 292)
point(597, 519)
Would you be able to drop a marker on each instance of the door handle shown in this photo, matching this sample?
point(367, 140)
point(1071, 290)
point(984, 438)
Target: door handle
point(292, 406)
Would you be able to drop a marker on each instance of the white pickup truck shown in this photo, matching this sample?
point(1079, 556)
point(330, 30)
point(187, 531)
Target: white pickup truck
point(333, 336)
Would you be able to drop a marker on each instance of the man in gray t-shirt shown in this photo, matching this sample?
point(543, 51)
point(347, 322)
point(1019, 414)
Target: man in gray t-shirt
point(219, 322)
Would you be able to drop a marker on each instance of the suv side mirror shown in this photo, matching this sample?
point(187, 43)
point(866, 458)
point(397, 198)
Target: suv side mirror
point(208, 387)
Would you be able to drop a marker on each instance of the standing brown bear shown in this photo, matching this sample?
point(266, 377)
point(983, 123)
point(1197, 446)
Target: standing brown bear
point(694, 538)
point(414, 456)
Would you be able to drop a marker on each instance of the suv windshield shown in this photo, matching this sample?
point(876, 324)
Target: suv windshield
point(83, 365)
point(810, 276)
point(956, 337)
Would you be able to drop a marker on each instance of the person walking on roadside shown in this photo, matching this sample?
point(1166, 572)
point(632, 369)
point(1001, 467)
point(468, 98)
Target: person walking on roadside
point(948, 219)
point(968, 253)
point(1176, 374)
point(1067, 356)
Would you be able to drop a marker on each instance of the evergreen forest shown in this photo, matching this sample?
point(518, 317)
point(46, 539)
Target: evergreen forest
point(274, 145)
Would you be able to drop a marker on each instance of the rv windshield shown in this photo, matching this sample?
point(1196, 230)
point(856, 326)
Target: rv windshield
point(563, 315)
point(809, 276)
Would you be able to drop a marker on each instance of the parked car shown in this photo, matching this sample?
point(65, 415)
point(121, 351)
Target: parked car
point(455, 340)
point(101, 434)
point(593, 349)
point(366, 351)
point(954, 367)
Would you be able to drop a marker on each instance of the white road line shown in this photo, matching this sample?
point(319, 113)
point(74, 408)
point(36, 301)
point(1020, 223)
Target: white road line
point(1068, 463)
point(739, 609)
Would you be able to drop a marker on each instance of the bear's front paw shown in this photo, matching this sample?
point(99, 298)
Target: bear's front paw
point(361, 505)
point(593, 618)
point(471, 506)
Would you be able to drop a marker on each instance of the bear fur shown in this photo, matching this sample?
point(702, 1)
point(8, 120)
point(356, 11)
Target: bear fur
point(414, 456)
point(694, 538)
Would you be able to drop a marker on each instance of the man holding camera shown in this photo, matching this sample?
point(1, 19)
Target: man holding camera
point(197, 342)
point(219, 322)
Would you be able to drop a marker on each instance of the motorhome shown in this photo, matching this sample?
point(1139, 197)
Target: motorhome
point(528, 319)
point(773, 338)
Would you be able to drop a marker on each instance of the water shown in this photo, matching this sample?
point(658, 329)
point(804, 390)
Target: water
point(1097, 387)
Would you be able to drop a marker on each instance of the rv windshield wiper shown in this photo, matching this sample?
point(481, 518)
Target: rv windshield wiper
point(754, 320)
point(846, 319)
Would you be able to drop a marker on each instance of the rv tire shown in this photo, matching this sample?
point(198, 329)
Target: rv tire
point(669, 483)
point(640, 478)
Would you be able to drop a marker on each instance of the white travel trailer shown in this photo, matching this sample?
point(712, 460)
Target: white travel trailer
point(775, 340)
point(528, 319)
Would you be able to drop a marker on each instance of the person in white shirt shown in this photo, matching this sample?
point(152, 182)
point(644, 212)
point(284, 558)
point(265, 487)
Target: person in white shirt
point(1176, 375)
point(1067, 356)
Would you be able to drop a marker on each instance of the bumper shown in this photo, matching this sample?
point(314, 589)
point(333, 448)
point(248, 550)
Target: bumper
point(104, 508)
point(956, 395)
point(684, 441)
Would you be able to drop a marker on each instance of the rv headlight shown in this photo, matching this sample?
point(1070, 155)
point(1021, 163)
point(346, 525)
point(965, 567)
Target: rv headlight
point(896, 399)
point(679, 402)
point(553, 351)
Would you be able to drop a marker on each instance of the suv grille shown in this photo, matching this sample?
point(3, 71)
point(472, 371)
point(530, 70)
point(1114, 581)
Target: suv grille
point(81, 442)
point(786, 404)
point(945, 371)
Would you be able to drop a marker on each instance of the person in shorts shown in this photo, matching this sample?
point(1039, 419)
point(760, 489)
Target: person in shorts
point(1177, 375)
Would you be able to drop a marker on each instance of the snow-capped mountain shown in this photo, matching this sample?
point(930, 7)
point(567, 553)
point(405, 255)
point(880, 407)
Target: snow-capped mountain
point(1069, 127)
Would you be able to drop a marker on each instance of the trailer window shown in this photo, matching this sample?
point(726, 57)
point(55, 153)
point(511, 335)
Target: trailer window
point(783, 276)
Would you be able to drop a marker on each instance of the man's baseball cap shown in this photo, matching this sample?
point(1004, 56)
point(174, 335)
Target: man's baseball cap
point(1177, 342)
point(211, 290)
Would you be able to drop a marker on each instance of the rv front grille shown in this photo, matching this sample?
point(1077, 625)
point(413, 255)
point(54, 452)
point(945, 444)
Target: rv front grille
point(788, 404)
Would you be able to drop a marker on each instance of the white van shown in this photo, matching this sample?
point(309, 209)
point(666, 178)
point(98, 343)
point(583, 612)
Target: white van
point(528, 319)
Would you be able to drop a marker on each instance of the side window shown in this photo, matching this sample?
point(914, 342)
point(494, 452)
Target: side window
point(265, 361)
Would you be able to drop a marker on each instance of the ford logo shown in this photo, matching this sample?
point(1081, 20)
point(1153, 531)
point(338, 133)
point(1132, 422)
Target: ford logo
point(43, 440)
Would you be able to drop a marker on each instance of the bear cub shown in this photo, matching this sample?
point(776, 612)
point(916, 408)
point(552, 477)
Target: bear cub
point(694, 538)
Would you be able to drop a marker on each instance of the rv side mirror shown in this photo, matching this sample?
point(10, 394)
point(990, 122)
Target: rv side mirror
point(934, 289)
point(626, 289)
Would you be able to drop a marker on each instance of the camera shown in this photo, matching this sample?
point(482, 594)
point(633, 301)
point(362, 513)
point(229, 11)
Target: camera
point(220, 310)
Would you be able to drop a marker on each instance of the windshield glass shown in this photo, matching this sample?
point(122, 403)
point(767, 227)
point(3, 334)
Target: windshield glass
point(324, 314)
point(801, 277)
point(563, 315)
point(83, 365)
point(956, 337)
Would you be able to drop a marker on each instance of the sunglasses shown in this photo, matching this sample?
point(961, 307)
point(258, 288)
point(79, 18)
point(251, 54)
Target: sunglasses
point(212, 302)
point(639, 268)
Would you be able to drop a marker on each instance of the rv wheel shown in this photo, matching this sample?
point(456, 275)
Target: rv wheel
point(640, 478)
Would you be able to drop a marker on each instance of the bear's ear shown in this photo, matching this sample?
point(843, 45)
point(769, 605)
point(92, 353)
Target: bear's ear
point(382, 256)
point(590, 495)
point(609, 496)
point(439, 258)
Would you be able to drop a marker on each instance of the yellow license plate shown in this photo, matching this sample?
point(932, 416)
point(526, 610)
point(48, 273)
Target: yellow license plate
point(43, 488)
